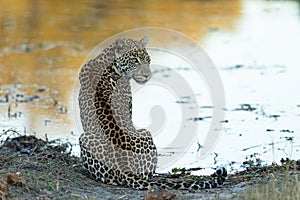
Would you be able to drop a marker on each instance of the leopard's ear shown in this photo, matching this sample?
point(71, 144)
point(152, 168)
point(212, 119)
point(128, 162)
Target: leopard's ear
point(120, 47)
point(144, 41)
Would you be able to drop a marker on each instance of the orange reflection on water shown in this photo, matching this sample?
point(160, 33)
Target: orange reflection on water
point(43, 43)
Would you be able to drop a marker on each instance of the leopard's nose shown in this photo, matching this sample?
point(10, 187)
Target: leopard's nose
point(146, 71)
point(148, 77)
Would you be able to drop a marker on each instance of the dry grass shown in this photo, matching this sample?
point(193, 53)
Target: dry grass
point(281, 185)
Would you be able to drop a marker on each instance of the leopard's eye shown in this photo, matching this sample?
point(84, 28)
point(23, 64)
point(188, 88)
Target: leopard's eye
point(148, 60)
point(135, 61)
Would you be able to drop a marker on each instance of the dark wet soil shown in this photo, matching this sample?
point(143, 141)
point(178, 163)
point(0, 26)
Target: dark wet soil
point(46, 170)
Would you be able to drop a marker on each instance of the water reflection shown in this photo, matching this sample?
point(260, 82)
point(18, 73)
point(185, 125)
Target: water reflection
point(42, 44)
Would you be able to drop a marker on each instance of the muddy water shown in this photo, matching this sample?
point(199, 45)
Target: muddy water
point(43, 44)
point(255, 45)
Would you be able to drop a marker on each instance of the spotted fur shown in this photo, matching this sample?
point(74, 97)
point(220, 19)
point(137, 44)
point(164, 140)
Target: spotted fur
point(112, 150)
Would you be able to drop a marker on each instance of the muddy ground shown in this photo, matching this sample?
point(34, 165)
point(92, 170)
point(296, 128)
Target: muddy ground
point(32, 168)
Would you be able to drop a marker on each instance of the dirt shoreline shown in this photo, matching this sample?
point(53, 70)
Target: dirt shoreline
point(45, 170)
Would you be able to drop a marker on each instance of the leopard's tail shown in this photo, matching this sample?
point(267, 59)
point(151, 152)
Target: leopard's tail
point(217, 179)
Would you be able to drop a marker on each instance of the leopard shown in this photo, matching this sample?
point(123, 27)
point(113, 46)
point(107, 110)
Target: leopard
point(112, 150)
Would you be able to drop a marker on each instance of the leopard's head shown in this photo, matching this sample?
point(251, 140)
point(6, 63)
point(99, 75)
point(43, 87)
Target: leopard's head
point(132, 59)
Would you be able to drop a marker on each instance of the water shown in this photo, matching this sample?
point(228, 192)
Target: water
point(254, 44)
